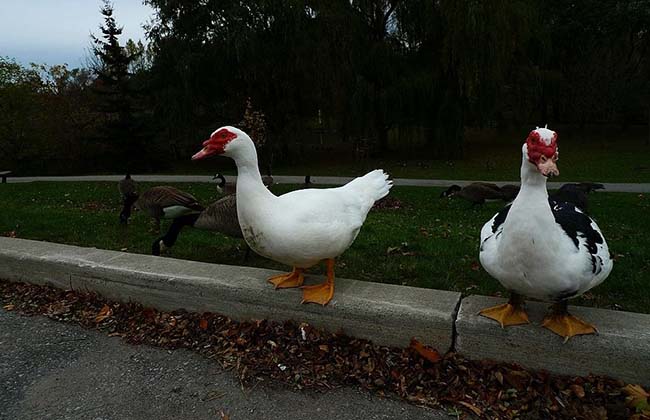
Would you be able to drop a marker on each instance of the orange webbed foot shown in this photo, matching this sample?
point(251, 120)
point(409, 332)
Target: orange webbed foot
point(321, 293)
point(285, 281)
point(567, 325)
point(511, 313)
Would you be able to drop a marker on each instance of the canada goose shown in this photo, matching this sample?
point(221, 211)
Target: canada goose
point(509, 192)
point(571, 193)
point(224, 187)
point(268, 178)
point(167, 202)
point(128, 189)
point(576, 194)
point(489, 185)
point(450, 191)
point(220, 216)
point(588, 187)
point(478, 192)
point(227, 188)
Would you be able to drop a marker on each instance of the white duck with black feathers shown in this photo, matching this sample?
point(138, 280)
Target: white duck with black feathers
point(541, 248)
point(300, 228)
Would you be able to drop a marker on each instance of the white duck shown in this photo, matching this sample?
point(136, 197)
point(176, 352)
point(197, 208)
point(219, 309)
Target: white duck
point(542, 248)
point(300, 228)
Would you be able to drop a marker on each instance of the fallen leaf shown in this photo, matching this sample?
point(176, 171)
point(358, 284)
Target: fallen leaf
point(224, 416)
point(578, 390)
point(637, 398)
point(203, 324)
point(499, 377)
point(424, 351)
point(296, 357)
point(475, 266)
point(392, 249)
point(8, 307)
point(104, 313)
point(471, 407)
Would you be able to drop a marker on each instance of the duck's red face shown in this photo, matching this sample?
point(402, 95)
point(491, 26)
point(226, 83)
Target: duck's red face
point(542, 151)
point(216, 144)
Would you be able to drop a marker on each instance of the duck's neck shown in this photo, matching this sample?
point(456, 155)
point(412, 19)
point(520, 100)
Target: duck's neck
point(249, 179)
point(531, 210)
point(533, 184)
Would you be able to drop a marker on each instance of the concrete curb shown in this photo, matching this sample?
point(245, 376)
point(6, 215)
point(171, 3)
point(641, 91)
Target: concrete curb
point(620, 350)
point(319, 180)
point(387, 314)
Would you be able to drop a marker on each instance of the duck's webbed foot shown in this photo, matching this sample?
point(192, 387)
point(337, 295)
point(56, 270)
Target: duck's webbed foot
point(562, 323)
point(511, 313)
point(285, 281)
point(321, 293)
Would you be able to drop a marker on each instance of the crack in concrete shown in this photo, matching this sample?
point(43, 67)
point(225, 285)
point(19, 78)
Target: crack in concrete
point(454, 318)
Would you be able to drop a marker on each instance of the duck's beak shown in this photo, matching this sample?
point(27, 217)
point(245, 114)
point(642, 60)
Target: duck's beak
point(201, 154)
point(548, 168)
point(211, 146)
point(206, 151)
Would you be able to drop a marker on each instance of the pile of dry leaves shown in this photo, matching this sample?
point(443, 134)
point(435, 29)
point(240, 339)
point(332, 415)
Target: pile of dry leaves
point(305, 357)
point(388, 203)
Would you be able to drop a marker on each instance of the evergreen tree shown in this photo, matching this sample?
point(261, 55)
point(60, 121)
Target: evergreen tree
point(124, 131)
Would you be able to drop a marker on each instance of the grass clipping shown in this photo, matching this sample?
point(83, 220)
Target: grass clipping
point(305, 357)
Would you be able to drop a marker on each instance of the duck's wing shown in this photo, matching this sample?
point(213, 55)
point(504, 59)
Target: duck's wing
point(169, 196)
point(350, 202)
point(221, 216)
point(494, 227)
point(585, 235)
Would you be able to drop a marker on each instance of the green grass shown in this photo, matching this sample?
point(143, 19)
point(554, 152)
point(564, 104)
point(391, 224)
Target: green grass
point(430, 243)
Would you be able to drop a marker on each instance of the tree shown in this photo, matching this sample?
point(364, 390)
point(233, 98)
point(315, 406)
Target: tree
point(124, 128)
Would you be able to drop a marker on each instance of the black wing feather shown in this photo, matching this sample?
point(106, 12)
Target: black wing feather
point(578, 225)
point(573, 222)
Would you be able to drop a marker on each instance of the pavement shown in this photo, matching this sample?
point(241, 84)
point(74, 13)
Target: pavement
point(322, 180)
point(52, 370)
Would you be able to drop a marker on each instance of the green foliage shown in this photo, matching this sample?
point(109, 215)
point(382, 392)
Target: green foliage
point(44, 116)
point(362, 77)
point(124, 131)
point(374, 66)
point(113, 59)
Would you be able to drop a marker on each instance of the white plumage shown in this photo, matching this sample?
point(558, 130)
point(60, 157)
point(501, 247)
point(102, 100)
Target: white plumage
point(302, 227)
point(306, 226)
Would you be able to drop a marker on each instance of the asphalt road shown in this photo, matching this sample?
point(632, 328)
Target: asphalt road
point(51, 370)
point(322, 180)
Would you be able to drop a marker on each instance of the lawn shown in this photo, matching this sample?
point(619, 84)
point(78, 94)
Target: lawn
point(429, 242)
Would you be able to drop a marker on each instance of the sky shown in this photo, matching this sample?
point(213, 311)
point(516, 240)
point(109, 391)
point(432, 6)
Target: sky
point(58, 31)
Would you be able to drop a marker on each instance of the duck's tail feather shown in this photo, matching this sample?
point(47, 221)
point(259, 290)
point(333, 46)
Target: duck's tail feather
point(371, 187)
